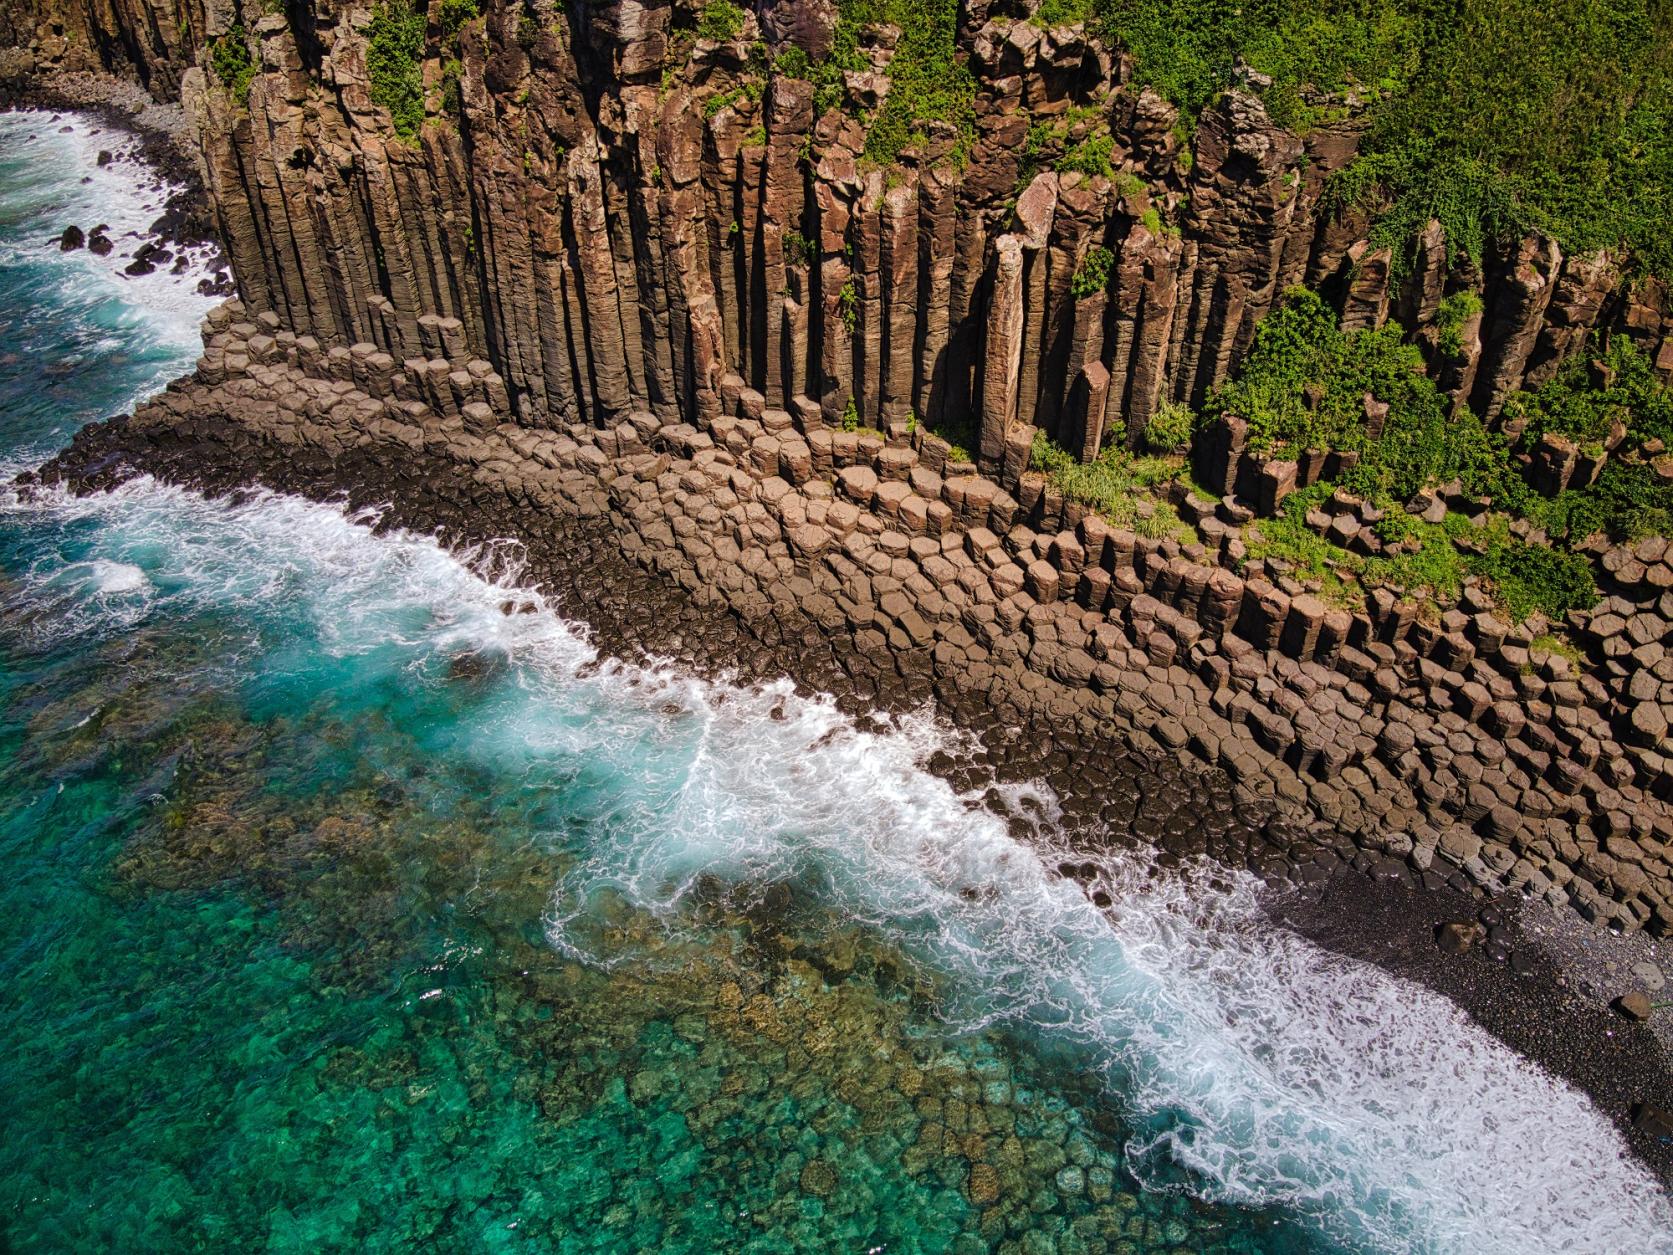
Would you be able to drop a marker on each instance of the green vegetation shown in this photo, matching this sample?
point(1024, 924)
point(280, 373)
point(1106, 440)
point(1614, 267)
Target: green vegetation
point(1550, 115)
point(1116, 485)
point(1590, 401)
point(1304, 386)
point(453, 96)
point(1450, 317)
point(1548, 644)
point(720, 20)
point(1593, 393)
point(1536, 577)
point(1169, 429)
point(1496, 117)
point(722, 100)
point(927, 84)
point(848, 304)
point(798, 248)
point(1129, 184)
point(1188, 49)
point(1428, 558)
point(1089, 157)
point(394, 55)
point(1093, 273)
point(452, 15)
point(1054, 13)
point(229, 57)
point(959, 433)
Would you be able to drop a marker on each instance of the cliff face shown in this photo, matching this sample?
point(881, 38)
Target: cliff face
point(152, 41)
point(625, 218)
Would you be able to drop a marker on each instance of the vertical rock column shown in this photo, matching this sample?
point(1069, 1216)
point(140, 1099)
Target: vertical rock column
point(1002, 364)
point(899, 276)
point(596, 307)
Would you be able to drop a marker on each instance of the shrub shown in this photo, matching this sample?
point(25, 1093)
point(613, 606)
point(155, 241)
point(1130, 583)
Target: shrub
point(452, 15)
point(1089, 157)
point(1111, 484)
point(1535, 577)
point(848, 304)
point(1189, 49)
point(1054, 13)
point(229, 57)
point(1496, 117)
point(394, 53)
point(1303, 386)
point(793, 63)
point(720, 20)
point(1093, 273)
point(1129, 184)
point(1529, 115)
point(1571, 404)
point(1169, 428)
point(1450, 317)
point(722, 100)
point(798, 248)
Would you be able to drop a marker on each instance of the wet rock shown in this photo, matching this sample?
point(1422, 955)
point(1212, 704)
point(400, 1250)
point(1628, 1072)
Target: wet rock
point(72, 239)
point(818, 1178)
point(982, 1187)
point(1459, 936)
point(1071, 1180)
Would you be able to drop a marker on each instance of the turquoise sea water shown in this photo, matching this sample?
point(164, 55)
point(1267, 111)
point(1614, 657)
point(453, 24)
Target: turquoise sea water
point(350, 900)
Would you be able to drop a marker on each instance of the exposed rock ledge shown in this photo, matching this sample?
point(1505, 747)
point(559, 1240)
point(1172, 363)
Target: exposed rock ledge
point(896, 578)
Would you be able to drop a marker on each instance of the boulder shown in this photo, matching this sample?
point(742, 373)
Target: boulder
point(1634, 1006)
point(1458, 936)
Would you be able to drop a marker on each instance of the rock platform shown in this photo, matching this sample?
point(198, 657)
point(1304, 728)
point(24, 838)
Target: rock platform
point(876, 568)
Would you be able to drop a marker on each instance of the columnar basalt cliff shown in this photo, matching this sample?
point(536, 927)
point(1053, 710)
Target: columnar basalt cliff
point(597, 265)
point(624, 216)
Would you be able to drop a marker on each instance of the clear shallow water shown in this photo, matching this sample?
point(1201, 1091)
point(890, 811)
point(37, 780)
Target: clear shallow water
point(343, 907)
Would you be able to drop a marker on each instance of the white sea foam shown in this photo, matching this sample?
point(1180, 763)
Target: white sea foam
point(115, 578)
point(1279, 1074)
point(67, 187)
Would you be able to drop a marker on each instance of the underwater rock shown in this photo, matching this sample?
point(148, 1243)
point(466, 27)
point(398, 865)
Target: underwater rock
point(818, 1178)
point(983, 1185)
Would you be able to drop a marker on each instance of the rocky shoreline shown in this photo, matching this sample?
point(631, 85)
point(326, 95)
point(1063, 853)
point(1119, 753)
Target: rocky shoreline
point(163, 149)
point(618, 524)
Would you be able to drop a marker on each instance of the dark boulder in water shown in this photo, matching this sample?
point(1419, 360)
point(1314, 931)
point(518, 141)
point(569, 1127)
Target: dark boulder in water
point(146, 258)
point(99, 244)
point(474, 666)
point(104, 157)
point(72, 239)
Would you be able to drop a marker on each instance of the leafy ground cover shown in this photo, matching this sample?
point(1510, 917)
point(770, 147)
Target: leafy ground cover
point(1496, 117)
